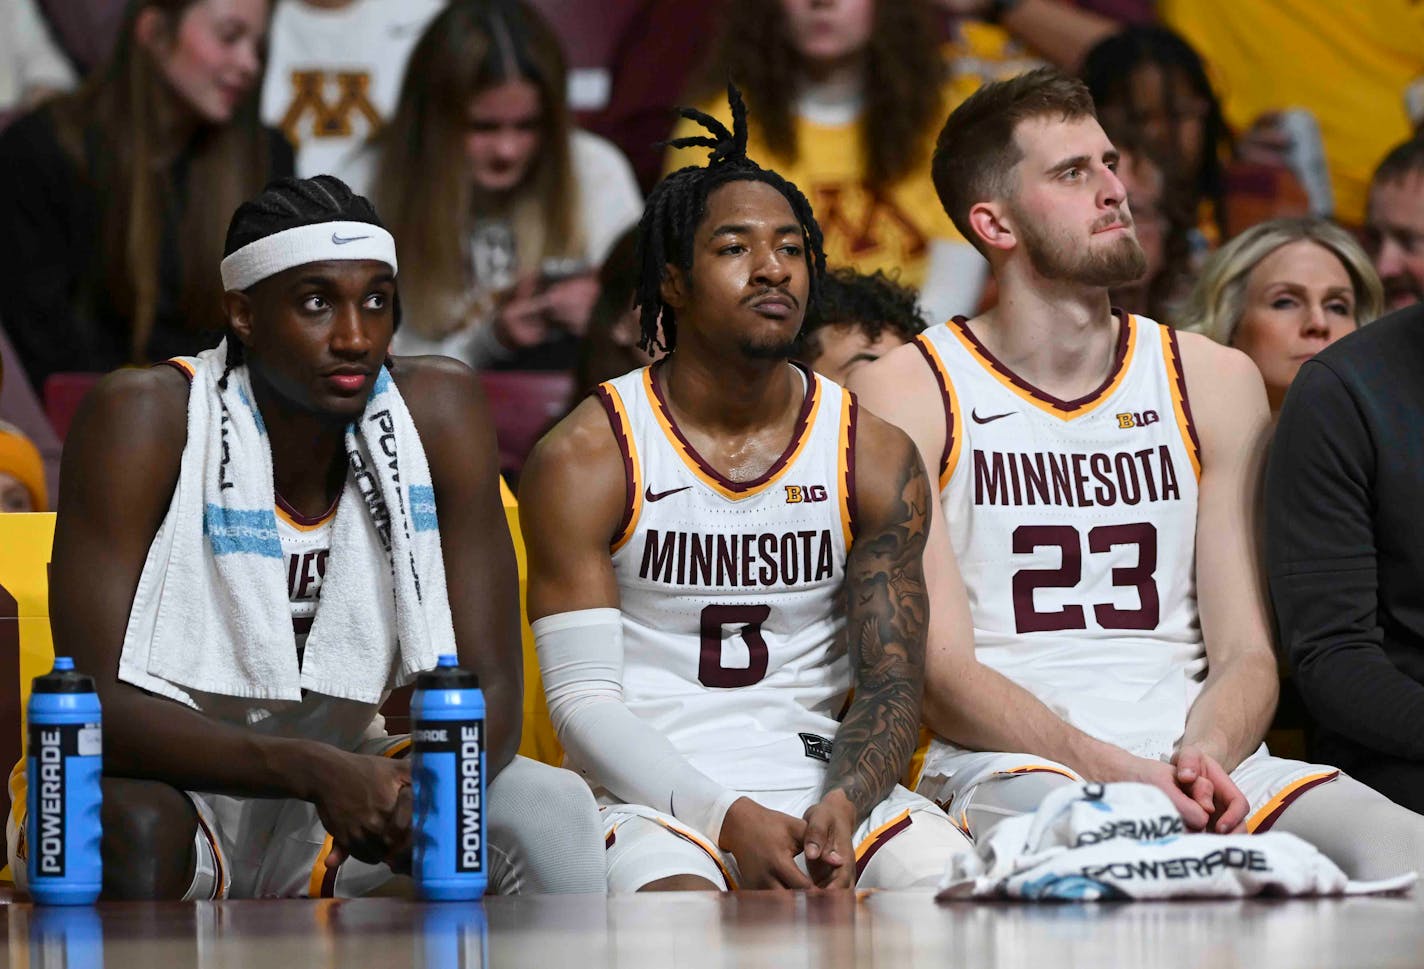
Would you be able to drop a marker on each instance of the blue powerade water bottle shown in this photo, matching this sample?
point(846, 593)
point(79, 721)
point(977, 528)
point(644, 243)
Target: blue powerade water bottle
point(64, 766)
point(447, 713)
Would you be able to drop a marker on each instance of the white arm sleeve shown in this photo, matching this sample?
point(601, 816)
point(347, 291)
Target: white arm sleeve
point(581, 661)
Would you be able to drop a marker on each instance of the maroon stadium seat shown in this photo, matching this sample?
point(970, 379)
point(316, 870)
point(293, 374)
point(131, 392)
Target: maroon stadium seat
point(85, 29)
point(524, 404)
point(63, 393)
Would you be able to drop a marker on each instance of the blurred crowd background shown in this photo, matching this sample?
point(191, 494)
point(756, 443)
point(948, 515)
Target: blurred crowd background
point(1268, 146)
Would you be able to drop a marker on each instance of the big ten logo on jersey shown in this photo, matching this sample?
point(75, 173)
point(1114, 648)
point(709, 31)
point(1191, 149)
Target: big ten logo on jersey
point(797, 494)
point(1144, 419)
point(329, 118)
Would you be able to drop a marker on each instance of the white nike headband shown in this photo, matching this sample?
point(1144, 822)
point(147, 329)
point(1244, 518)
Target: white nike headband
point(270, 255)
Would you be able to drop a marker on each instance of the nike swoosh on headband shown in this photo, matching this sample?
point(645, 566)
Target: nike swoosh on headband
point(342, 240)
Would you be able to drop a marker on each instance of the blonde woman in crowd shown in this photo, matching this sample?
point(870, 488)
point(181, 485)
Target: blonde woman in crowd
point(1281, 292)
point(506, 209)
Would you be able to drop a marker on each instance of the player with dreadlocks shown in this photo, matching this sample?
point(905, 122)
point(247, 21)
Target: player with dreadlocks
point(724, 571)
point(246, 583)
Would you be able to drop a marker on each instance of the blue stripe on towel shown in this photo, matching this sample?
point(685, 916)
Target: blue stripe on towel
point(383, 382)
point(256, 414)
point(233, 531)
point(422, 508)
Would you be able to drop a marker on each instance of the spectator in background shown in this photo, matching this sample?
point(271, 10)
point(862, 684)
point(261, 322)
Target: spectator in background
point(334, 70)
point(1351, 65)
point(1148, 81)
point(1283, 291)
point(857, 319)
point(612, 345)
point(116, 198)
point(31, 66)
point(22, 476)
point(1163, 219)
point(1394, 228)
point(1345, 552)
point(499, 201)
point(847, 97)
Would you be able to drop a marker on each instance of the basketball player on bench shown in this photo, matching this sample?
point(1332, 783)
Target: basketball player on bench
point(223, 796)
point(1098, 609)
point(722, 547)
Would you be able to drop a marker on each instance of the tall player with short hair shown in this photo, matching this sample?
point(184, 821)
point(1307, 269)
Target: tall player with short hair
point(722, 546)
point(1098, 477)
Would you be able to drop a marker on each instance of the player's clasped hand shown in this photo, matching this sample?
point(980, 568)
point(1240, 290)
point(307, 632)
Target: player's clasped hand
point(1210, 786)
point(830, 842)
point(765, 844)
point(365, 804)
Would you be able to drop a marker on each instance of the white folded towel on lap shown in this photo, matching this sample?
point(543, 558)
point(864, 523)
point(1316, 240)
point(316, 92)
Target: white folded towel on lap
point(211, 615)
point(1115, 842)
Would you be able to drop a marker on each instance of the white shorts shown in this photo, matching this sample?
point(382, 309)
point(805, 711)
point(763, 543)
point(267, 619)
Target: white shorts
point(1269, 784)
point(906, 841)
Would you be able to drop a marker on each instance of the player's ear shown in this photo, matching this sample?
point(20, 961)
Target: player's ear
point(993, 223)
point(674, 286)
point(238, 307)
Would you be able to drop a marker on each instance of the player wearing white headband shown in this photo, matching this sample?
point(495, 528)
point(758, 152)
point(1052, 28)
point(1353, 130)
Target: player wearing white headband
point(212, 792)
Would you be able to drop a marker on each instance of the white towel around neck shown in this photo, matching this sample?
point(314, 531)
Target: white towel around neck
point(211, 615)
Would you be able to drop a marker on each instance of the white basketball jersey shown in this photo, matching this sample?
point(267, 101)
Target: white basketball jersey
point(306, 545)
point(1074, 524)
point(731, 591)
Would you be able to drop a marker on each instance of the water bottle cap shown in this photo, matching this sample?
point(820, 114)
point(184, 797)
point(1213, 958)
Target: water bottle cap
point(63, 679)
point(447, 675)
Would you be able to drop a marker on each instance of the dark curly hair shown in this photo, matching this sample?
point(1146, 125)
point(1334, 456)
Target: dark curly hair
point(1110, 72)
point(903, 65)
point(289, 203)
point(678, 204)
point(872, 303)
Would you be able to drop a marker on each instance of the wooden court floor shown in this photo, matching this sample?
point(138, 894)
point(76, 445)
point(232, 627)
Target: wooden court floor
point(785, 931)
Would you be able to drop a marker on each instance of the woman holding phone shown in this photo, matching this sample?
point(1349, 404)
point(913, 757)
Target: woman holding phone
point(502, 208)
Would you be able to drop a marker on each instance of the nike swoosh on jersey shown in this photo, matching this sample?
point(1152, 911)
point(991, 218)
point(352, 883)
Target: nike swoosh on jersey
point(659, 496)
point(991, 418)
point(342, 240)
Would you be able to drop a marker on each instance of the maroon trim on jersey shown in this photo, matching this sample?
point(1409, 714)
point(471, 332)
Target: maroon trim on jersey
point(949, 429)
point(879, 843)
point(1275, 815)
point(851, 502)
point(797, 433)
point(187, 374)
point(305, 520)
point(630, 475)
point(1179, 374)
point(1119, 356)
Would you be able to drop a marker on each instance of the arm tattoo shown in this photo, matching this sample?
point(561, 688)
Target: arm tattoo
point(886, 612)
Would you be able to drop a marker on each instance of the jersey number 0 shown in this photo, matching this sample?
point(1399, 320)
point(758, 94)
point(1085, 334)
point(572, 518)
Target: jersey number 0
point(710, 671)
